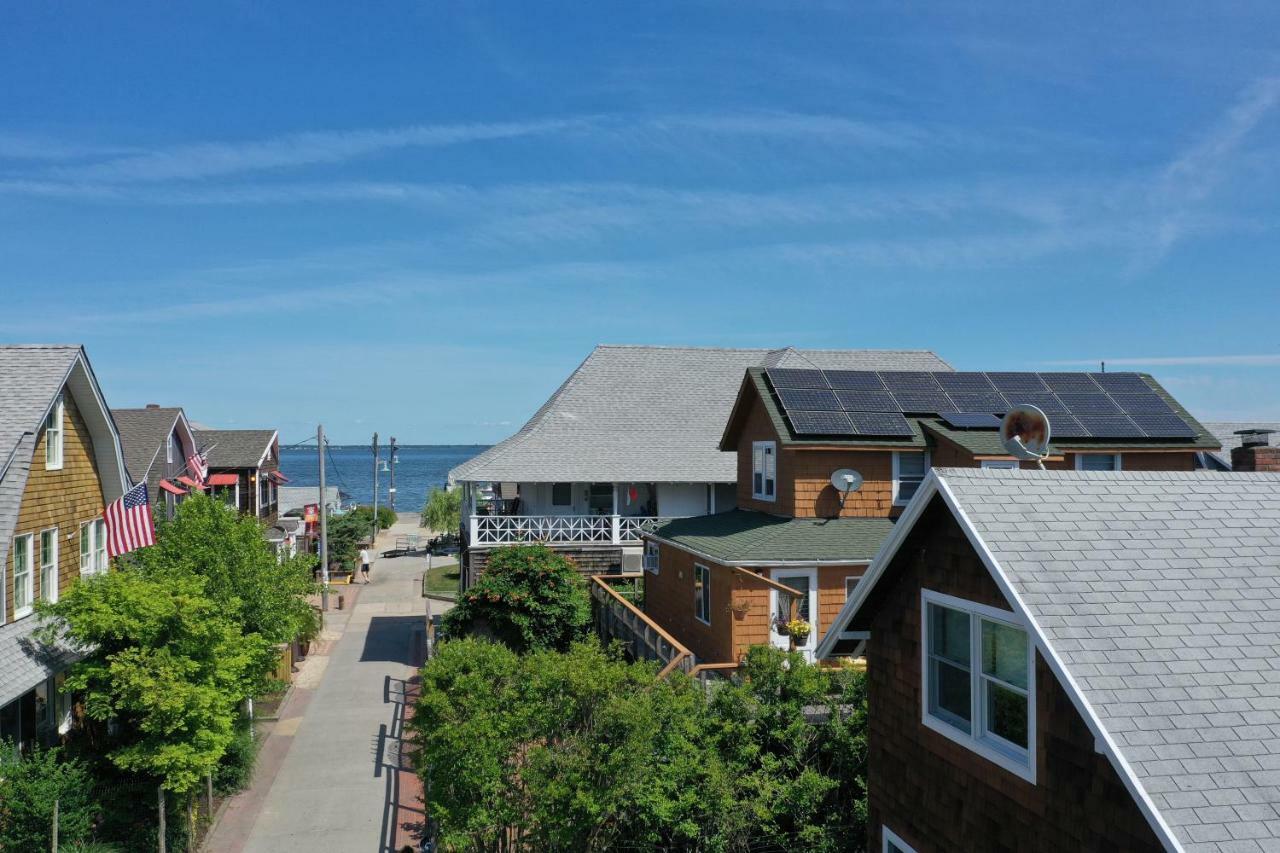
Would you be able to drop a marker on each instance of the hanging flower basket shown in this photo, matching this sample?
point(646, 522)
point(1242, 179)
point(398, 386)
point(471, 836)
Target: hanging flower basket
point(740, 608)
point(799, 630)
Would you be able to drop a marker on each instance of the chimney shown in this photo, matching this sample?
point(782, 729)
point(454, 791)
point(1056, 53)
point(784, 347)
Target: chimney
point(153, 405)
point(1255, 452)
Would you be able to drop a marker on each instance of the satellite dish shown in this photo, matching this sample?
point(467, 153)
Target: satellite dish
point(1024, 432)
point(845, 481)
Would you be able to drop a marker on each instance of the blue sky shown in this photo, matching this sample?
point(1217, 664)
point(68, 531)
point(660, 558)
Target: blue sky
point(419, 217)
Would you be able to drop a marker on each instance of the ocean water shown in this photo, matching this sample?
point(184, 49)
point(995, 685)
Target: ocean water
point(350, 468)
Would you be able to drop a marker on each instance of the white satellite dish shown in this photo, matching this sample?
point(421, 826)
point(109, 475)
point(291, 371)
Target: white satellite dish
point(1024, 432)
point(845, 481)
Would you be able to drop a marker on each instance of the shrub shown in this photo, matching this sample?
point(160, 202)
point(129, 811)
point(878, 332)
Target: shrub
point(235, 769)
point(442, 513)
point(29, 785)
point(529, 598)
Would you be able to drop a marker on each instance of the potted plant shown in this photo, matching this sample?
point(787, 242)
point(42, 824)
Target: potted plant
point(740, 607)
point(310, 629)
point(799, 630)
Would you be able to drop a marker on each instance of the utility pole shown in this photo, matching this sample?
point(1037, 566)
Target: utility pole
point(391, 493)
point(324, 526)
point(373, 539)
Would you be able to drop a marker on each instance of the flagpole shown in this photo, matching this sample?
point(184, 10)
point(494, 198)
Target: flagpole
point(324, 525)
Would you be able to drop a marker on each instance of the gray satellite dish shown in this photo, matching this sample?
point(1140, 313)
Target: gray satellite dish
point(1024, 432)
point(846, 481)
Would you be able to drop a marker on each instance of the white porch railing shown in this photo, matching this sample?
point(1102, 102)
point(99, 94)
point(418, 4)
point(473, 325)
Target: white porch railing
point(561, 529)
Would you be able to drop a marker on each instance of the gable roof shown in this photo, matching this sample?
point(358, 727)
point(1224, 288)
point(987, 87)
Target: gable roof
point(1155, 599)
point(1225, 431)
point(143, 434)
point(651, 414)
point(235, 448)
point(744, 538)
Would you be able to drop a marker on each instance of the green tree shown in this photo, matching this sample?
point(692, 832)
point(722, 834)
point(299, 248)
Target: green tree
point(442, 513)
point(29, 786)
point(529, 597)
point(346, 532)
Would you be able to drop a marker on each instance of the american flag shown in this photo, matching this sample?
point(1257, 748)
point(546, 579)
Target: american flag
point(129, 524)
point(197, 465)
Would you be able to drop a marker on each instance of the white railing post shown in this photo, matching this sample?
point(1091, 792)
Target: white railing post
point(474, 524)
point(616, 529)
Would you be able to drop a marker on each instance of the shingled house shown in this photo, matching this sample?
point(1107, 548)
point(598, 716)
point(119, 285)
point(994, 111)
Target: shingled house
point(157, 443)
point(244, 468)
point(60, 464)
point(723, 582)
point(1064, 660)
point(631, 439)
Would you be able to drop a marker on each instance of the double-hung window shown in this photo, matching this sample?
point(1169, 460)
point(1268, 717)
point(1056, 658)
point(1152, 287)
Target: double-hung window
point(1098, 462)
point(23, 582)
point(650, 558)
point(49, 564)
point(909, 470)
point(93, 547)
point(978, 680)
point(702, 593)
point(53, 436)
point(764, 470)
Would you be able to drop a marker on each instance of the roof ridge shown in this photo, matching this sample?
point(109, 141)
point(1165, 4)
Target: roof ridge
point(1031, 473)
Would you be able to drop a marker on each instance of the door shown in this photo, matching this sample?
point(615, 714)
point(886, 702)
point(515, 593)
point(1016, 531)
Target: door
point(805, 582)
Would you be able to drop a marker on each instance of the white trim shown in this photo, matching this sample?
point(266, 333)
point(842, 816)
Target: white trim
point(849, 590)
point(888, 836)
point(1016, 760)
point(768, 451)
point(57, 554)
point(656, 561)
point(897, 476)
point(57, 413)
point(1081, 456)
point(815, 609)
point(706, 593)
point(29, 607)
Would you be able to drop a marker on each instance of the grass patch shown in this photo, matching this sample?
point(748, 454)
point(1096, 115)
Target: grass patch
point(442, 579)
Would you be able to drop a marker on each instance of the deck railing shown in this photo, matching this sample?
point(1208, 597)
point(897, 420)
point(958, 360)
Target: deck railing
point(619, 619)
point(561, 529)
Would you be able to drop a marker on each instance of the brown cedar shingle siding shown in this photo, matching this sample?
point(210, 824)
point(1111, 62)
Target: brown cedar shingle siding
point(937, 794)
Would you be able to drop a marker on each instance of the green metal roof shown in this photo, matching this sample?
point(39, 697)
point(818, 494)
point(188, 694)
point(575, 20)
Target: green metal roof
point(743, 537)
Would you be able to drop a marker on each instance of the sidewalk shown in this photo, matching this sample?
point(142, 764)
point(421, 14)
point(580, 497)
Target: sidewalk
point(329, 774)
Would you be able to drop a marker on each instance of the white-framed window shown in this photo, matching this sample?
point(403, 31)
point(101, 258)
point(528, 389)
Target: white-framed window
point(93, 547)
point(49, 564)
point(1097, 461)
point(650, 559)
point(850, 584)
point(53, 436)
point(23, 582)
point(909, 470)
point(764, 470)
point(562, 494)
point(892, 843)
point(1011, 464)
point(702, 593)
point(977, 665)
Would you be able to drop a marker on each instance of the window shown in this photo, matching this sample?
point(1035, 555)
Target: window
point(1098, 462)
point(93, 547)
point(49, 564)
point(909, 470)
point(849, 585)
point(651, 557)
point(892, 843)
point(22, 580)
point(562, 494)
point(1001, 463)
point(53, 437)
point(764, 470)
point(977, 680)
point(702, 593)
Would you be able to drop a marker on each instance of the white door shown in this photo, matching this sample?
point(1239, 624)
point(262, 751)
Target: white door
point(805, 582)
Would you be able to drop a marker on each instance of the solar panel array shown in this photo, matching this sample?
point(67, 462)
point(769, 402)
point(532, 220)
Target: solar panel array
point(875, 403)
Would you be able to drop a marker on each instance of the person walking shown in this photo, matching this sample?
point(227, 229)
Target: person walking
point(366, 557)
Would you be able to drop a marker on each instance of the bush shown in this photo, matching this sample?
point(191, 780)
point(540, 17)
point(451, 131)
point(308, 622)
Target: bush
point(529, 598)
point(29, 785)
point(442, 513)
point(235, 769)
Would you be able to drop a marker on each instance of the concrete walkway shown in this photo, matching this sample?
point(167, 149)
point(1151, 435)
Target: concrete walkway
point(330, 774)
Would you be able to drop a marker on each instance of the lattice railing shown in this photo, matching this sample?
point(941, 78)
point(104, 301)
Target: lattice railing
point(631, 526)
point(560, 529)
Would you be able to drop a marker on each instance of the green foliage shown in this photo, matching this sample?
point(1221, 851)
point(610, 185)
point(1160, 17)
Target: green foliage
point(442, 513)
point(579, 750)
point(235, 768)
point(529, 597)
point(364, 514)
point(29, 786)
point(345, 534)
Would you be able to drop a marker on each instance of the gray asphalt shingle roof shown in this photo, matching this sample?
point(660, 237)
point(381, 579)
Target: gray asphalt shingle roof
point(742, 536)
point(652, 414)
point(1225, 431)
point(143, 434)
point(1160, 593)
point(234, 448)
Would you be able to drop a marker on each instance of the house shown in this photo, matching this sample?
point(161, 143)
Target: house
point(60, 464)
point(1066, 660)
point(244, 468)
point(631, 438)
point(1236, 434)
point(293, 499)
point(723, 582)
point(157, 443)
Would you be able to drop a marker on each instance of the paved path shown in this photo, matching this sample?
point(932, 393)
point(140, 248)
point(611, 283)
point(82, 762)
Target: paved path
point(329, 775)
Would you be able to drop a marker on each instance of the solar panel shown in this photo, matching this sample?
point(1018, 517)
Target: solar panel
point(924, 402)
point(1164, 425)
point(909, 380)
point(854, 380)
point(1022, 382)
point(964, 382)
point(1065, 426)
point(1094, 404)
point(991, 401)
point(971, 420)
point(880, 423)
point(1151, 403)
point(1047, 403)
point(809, 399)
point(794, 377)
point(867, 401)
point(1109, 426)
point(821, 423)
point(1121, 383)
point(1070, 383)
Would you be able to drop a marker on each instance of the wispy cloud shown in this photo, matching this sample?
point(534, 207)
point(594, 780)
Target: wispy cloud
point(1261, 360)
point(39, 147)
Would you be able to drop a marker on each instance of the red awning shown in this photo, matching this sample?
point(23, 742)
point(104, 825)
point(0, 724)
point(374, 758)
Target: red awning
point(171, 488)
point(190, 483)
point(277, 476)
point(223, 479)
